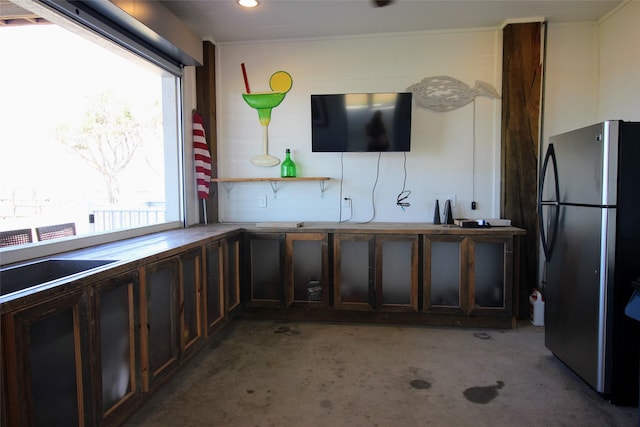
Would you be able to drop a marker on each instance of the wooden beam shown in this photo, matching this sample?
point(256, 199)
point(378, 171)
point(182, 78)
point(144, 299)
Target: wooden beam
point(206, 106)
point(521, 108)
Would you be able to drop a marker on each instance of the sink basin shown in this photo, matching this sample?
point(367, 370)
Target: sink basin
point(14, 279)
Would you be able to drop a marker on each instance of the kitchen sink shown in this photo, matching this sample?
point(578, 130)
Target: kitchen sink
point(14, 279)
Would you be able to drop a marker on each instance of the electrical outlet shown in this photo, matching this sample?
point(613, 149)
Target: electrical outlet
point(346, 202)
point(262, 202)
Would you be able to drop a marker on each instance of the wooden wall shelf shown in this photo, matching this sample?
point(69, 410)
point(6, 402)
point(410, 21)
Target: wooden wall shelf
point(228, 182)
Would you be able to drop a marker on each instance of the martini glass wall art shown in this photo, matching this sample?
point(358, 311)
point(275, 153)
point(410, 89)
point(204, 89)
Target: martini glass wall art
point(264, 102)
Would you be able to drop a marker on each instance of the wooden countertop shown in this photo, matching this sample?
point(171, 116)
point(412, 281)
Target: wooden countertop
point(130, 254)
point(379, 227)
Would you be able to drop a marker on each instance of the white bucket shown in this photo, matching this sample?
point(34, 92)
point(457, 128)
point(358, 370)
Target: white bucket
point(537, 308)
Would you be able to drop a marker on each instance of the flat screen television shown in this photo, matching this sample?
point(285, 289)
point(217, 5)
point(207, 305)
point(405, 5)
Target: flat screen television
point(361, 122)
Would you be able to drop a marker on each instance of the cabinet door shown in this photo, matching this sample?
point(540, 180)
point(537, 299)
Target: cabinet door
point(306, 269)
point(397, 272)
point(445, 274)
point(190, 299)
point(266, 266)
point(117, 354)
point(48, 363)
point(213, 289)
point(159, 287)
point(490, 274)
point(232, 273)
point(353, 271)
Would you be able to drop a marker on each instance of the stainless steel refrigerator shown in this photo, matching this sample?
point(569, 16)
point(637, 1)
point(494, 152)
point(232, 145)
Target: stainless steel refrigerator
point(589, 212)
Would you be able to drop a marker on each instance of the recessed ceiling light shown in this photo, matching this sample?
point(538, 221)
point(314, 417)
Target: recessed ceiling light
point(248, 3)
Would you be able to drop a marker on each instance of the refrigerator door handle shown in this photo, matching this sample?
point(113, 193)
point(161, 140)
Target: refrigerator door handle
point(547, 245)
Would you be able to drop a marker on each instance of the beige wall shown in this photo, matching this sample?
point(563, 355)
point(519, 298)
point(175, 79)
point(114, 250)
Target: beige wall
point(592, 71)
point(619, 80)
point(592, 74)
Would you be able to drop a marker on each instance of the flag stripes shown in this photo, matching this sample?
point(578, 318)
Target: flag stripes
point(202, 157)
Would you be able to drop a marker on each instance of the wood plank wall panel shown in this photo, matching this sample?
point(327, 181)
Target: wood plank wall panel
point(521, 109)
point(206, 105)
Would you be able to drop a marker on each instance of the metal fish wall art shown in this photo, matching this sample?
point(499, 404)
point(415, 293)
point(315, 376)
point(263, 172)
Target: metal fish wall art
point(444, 93)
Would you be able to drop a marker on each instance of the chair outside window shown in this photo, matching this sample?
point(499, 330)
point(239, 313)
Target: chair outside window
point(56, 231)
point(15, 237)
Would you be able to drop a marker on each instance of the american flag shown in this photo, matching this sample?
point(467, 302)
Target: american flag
point(202, 156)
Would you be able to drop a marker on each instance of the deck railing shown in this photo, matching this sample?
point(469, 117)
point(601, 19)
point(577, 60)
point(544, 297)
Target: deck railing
point(115, 219)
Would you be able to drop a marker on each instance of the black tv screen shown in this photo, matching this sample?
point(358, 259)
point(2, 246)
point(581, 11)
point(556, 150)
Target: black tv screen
point(361, 122)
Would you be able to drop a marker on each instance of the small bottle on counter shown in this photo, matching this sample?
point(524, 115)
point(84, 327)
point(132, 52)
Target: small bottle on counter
point(288, 167)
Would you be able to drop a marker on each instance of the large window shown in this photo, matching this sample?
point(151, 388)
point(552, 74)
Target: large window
point(90, 133)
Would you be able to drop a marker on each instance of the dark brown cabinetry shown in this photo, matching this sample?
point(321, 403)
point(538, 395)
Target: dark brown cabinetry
point(46, 352)
point(266, 269)
point(376, 272)
point(397, 272)
point(445, 274)
point(470, 275)
point(232, 274)
point(213, 290)
point(221, 287)
point(172, 312)
point(288, 269)
point(86, 353)
point(490, 275)
point(160, 322)
point(116, 366)
point(190, 301)
point(306, 270)
point(353, 276)
point(90, 351)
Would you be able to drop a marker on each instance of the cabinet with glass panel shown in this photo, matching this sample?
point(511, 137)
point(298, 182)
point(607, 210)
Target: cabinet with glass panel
point(213, 287)
point(160, 321)
point(231, 276)
point(376, 272)
point(266, 269)
point(288, 269)
point(48, 363)
point(87, 353)
point(117, 353)
point(306, 270)
point(190, 301)
point(468, 274)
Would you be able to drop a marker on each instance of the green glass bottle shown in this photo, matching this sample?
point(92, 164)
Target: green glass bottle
point(288, 167)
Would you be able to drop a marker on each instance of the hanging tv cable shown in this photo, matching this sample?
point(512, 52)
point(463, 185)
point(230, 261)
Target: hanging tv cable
point(373, 192)
point(404, 194)
point(341, 198)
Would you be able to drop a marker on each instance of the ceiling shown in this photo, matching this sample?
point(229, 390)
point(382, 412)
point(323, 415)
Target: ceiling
point(224, 21)
point(11, 14)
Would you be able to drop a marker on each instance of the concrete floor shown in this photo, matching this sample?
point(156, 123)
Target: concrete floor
point(261, 373)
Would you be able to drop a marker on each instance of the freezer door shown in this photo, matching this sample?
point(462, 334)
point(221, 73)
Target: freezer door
point(587, 162)
point(575, 320)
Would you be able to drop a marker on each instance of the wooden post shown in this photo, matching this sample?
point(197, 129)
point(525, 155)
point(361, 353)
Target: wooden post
point(521, 112)
point(206, 106)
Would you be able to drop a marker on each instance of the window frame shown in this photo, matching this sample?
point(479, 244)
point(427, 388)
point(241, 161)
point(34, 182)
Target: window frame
point(132, 36)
